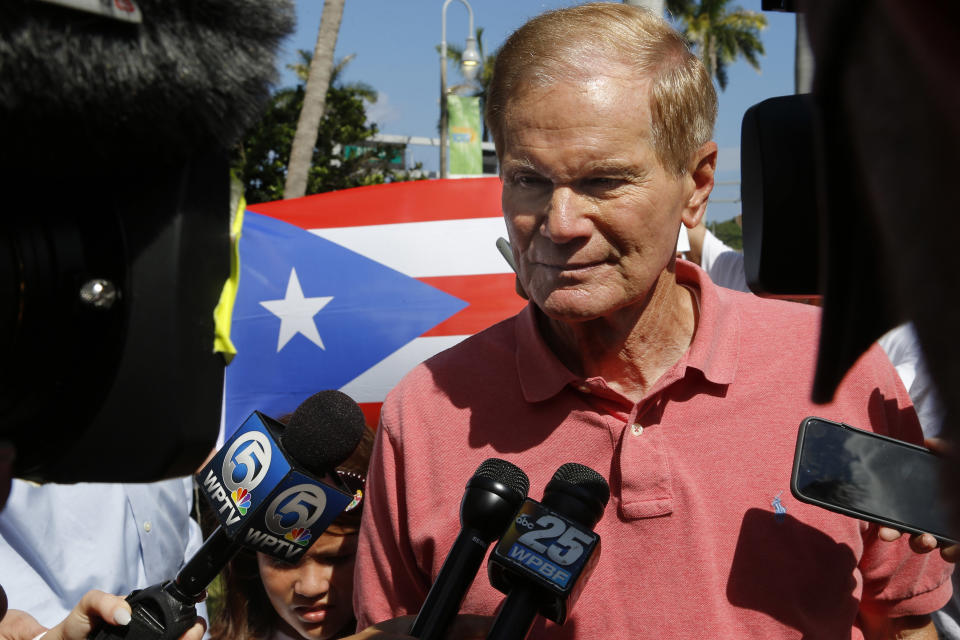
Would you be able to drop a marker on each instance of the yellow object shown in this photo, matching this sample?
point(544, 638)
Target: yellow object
point(223, 313)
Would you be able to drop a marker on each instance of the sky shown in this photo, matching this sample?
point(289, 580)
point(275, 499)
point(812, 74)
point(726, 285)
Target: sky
point(394, 43)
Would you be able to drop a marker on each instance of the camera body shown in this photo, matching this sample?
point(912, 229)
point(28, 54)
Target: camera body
point(114, 238)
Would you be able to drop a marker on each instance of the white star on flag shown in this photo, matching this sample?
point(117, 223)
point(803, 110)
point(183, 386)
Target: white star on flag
point(296, 313)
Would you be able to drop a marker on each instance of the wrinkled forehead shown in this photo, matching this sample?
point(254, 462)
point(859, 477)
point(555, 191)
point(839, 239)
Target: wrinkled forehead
point(608, 96)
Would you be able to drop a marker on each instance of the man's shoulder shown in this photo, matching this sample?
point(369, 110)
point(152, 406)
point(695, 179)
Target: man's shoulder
point(772, 313)
point(750, 312)
point(766, 315)
point(792, 329)
point(496, 341)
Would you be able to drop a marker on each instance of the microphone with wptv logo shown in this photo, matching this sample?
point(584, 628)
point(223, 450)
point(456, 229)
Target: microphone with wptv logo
point(271, 486)
point(545, 558)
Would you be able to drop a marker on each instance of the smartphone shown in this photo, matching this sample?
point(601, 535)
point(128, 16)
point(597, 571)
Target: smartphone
point(871, 477)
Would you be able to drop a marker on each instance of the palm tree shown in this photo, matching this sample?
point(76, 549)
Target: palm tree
point(361, 89)
point(720, 35)
point(314, 101)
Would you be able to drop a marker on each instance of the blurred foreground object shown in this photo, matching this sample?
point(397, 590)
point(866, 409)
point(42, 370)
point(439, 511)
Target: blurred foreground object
point(883, 113)
point(115, 238)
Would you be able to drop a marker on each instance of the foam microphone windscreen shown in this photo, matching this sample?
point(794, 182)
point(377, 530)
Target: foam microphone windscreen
point(578, 481)
point(192, 74)
point(505, 473)
point(324, 430)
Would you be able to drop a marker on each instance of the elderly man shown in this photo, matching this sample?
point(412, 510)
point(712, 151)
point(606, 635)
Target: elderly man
point(685, 396)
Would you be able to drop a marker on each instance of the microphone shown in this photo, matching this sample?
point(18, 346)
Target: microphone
point(266, 487)
point(491, 499)
point(547, 555)
point(264, 484)
point(172, 84)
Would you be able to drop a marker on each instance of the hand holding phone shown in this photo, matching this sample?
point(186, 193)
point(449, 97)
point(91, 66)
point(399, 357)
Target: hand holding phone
point(924, 542)
point(872, 477)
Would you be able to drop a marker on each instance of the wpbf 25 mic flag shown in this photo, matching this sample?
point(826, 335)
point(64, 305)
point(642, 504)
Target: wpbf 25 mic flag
point(351, 289)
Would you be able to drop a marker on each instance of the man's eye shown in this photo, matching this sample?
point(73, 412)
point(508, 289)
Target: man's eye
point(527, 180)
point(603, 183)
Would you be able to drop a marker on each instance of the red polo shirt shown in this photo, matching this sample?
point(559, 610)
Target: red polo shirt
point(701, 537)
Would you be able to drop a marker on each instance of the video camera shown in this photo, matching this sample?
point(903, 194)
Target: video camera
point(806, 230)
point(116, 122)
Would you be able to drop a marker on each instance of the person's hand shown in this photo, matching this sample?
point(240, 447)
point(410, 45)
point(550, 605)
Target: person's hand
point(94, 608)
point(19, 625)
point(924, 542)
point(464, 627)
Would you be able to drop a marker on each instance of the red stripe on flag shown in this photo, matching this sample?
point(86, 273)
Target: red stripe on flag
point(491, 298)
point(371, 413)
point(418, 201)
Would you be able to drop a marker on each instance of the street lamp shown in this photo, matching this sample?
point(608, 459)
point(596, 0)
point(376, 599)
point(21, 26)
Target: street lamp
point(469, 67)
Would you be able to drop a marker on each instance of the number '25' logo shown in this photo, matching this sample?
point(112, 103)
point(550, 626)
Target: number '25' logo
point(565, 542)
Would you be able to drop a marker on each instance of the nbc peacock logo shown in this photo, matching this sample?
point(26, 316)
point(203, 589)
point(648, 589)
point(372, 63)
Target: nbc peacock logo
point(357, 497)
point(241, 498)
point(300, 535)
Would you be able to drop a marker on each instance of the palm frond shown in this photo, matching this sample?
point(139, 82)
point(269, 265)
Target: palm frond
point(719, 34)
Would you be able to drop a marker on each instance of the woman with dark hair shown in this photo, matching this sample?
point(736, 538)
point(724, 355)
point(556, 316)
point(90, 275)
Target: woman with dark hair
point(269, 599)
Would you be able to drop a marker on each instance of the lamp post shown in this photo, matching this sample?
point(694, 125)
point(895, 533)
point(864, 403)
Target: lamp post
point(469, 65)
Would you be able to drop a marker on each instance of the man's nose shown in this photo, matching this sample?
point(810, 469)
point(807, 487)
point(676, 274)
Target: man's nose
point(565, 218)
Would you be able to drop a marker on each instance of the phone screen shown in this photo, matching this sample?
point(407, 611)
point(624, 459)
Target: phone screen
point(871, 477)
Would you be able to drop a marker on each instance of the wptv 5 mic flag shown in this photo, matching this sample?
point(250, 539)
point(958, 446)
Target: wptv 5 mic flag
point(262, 498)
point(351, 289)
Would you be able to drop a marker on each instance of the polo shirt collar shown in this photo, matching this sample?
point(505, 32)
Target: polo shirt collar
point(542, 375)
point(716, 345)
point(714, 350)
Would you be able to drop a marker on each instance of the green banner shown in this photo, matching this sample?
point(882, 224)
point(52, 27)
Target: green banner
point(466, 157)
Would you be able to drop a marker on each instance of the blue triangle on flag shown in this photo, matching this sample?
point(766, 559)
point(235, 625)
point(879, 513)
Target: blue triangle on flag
point(373, 311)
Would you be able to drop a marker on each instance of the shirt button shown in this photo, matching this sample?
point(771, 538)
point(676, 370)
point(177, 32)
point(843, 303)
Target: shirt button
point(636, 429)
point(147, 526)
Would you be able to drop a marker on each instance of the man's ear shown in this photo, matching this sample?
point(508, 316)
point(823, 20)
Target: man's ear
point(699, 178)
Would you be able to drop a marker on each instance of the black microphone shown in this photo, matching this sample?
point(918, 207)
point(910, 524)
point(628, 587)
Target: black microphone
point(264, 484)
point(546, 557)
point(491, 499)
point(266, 487)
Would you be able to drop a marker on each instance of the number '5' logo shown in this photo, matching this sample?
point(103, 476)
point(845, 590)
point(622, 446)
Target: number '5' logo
point(565, 549)
point(305, 501)
point(250, 454)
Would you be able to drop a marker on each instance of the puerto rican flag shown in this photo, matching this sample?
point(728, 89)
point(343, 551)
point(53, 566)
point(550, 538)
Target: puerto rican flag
point(351, 289)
